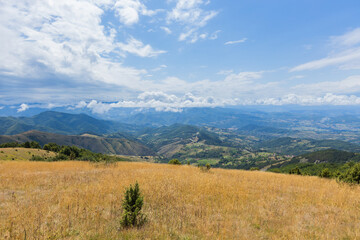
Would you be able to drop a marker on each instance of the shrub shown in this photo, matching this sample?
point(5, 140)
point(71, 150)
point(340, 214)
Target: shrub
point(205, 168)
point(175, 161)
point(325, 173)
point(295, 171)
point(352, 175)
point(208, 166)
point(132, 204)
point(36, 158)
point(254, 169)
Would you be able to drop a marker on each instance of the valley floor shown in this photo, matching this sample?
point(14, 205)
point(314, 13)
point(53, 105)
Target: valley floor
point(79, 200)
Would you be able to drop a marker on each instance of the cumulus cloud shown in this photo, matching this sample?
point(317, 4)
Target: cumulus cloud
point(66, 38)
point(23, 107)
point(129, 11)
point(160, 101)
point(327, 99)
point(191, 15)
point(345, 54)
point(138, 48)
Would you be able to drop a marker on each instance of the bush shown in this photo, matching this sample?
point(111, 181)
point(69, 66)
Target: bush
point(254, 169)
point(132, 204)
point(325, 173)
point(352, 175)
point(37, 158)
point(295, 171)
point(205, 168)
point(208, 166)
point(175, 161)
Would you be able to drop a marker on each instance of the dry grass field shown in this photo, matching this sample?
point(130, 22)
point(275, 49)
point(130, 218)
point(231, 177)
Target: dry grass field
point(79, 200)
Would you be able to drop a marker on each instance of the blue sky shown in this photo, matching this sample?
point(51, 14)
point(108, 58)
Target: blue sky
point(105, 54)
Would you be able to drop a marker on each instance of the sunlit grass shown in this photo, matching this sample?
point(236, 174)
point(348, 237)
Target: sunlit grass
point(22, 154)
point(79, 200)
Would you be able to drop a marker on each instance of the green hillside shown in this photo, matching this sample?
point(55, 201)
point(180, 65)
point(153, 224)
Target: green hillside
point(335, 161)
point(295, 146)
point(91, 142)
point(61, 123)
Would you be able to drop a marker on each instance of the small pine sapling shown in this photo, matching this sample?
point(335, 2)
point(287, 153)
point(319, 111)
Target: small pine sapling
point(132, 204)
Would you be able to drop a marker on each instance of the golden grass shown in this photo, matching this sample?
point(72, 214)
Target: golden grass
point(79, 200)
point(23, 154)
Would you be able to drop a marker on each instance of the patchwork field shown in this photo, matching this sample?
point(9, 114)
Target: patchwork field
point(80, 200)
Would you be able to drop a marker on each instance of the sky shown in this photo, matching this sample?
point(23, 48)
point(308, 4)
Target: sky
point(168, 55)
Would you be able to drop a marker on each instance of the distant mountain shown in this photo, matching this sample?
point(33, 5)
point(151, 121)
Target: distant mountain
point(119, 146)
point(265, 132)
point(169, 139)
point(61, 123)
point(295, 146)
point(328, 156)
point(218, 117)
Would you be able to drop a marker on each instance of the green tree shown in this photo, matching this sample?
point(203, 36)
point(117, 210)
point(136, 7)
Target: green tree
point(295, 171)
point(132, 205)
point(352, 175)
point(175, 161)
point(325, 173)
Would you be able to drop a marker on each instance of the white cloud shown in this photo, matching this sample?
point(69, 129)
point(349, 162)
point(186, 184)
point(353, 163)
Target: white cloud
point(334, 60)
point(235, 42)
point(166, 30)
point(327, 99)
point(128, 11)
point(157, 100)
point(23, 107)
point(297, 77)
point(350, 38)
point(225, 72)
point(161, 67)
point(136, 47)
point(349, 85)
point(66, 38)
point(345, 54)
point(1, 107)
point(191, 15)
point(80, 104)
point(214, 35)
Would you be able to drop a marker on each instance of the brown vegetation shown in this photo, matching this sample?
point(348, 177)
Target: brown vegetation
point(79, 200)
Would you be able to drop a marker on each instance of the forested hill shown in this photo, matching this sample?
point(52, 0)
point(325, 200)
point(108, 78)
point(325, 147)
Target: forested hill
point(93, 143)
point(61, 123)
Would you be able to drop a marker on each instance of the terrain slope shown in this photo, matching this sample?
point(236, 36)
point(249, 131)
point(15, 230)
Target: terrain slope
point(119, 146)
point(79, 200)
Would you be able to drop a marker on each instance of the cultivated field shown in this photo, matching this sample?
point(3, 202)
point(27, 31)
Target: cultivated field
point(79, 200)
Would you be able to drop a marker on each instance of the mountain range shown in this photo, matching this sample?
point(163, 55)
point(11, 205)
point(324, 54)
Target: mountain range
point(167, 134)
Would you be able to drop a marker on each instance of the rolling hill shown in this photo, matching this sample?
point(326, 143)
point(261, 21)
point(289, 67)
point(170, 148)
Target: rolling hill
point(61, 123)
point(168, 140)
point(119, 146)
point(296, 146)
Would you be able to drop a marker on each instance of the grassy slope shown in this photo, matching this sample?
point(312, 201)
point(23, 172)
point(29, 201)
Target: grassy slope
point(77, 200)
point(23, 153)
point(87, 141)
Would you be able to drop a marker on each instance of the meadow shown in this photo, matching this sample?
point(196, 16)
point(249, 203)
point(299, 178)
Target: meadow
point(81, 200)
point(21, 154)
